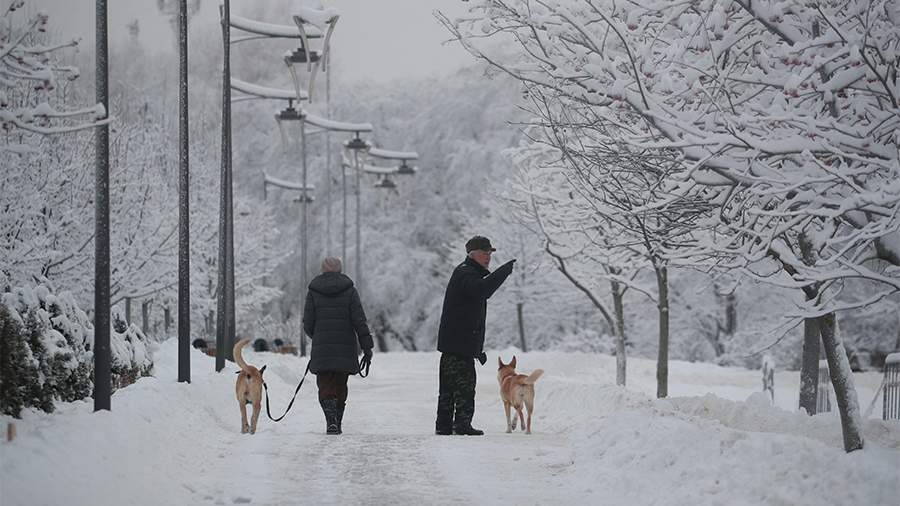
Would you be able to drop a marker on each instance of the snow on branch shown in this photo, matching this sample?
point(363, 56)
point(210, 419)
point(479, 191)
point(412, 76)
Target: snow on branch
point(28, 101)
point(784, 119)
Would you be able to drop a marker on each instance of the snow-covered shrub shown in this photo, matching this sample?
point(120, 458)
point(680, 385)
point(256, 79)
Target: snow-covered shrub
point(47, 350)
point(20, 375)
point(131, 356)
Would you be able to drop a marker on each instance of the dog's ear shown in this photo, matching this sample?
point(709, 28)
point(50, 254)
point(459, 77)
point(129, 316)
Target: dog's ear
point(499, 362)
point(513, 362)
point(262, 370)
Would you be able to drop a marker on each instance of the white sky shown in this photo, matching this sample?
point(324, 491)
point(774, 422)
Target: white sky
point(367, 31)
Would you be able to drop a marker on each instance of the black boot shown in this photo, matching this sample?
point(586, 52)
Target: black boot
point(340, 415)
point(467, 430)
point(330, 408)
point(443, 426)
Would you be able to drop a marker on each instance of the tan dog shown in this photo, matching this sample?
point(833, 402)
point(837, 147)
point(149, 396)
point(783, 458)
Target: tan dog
point(248, 388)
point(515, 390)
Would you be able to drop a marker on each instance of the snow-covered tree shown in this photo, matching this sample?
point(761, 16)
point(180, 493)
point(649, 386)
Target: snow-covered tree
point(785, 116)
point(42, 234)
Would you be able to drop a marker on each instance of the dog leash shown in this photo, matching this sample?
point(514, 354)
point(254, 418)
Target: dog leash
point(292, 398)
point(364, 364)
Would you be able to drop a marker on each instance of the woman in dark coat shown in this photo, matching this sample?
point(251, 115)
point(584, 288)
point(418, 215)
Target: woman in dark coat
point(335, 321)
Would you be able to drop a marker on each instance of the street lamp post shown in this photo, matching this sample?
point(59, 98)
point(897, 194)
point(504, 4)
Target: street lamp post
point(305, 199)
point(184, 251)
point(225, 318)
point(356, 145)
point(102, 352)
point(291, 114)
point(225, 293)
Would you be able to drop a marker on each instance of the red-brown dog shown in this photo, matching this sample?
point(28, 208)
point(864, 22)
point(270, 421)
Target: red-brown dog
point(515, 390)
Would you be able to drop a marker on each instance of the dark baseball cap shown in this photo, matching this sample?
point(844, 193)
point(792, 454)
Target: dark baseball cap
point(479, 242)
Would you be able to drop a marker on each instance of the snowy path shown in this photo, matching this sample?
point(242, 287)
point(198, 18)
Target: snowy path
point(388, 453)
point(594, 443)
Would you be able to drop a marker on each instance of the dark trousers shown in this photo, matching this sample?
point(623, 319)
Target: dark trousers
point(332, 385)
point(456, 394)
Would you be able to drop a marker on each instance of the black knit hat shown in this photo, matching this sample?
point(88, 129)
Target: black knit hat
point(479, 242)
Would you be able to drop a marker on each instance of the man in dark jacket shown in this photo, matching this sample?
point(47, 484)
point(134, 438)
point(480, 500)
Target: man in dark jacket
point(461, 335)
point(335, 321)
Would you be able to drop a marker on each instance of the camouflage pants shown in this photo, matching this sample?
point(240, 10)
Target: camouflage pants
point(456, 395)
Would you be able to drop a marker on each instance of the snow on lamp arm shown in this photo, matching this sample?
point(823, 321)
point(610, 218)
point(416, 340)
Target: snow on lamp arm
point(403, 169)
point(324, 21)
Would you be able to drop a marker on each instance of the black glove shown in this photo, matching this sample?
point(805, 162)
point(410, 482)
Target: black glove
point(482, 358)
point(510, 264)
point(367, 354)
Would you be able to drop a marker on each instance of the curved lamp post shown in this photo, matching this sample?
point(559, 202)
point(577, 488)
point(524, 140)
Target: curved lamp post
point(225, 319)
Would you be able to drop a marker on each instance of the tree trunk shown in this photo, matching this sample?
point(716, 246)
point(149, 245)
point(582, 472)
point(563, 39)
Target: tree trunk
point(127, 311)
point(145, 317)
point(809, 366)
point(382, 344)
point(730, 326)
point(619, 312)
point(842, 380)
point(662, 361)
point(521, 319)
point(167, 319)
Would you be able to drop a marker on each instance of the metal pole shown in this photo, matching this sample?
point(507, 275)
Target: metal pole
point(224, 300)
point(358, 217)
point(303, 236)
point(184, 250)
point(328, 163)
point(344, 213)
point(102, 376)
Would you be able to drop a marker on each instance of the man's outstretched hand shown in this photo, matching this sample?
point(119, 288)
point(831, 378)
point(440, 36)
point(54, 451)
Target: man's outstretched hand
point(482, 358)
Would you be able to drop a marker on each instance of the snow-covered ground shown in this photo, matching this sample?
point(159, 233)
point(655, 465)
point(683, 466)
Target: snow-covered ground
point(714, 441)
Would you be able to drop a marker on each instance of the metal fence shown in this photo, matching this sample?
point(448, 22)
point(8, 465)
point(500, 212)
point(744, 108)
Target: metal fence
point(891, 407)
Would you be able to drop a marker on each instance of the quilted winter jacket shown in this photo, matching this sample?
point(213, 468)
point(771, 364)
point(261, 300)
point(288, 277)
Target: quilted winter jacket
point(335, 321)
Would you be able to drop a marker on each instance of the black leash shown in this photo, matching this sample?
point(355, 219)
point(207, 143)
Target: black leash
point(364, 365)
point(292, 399)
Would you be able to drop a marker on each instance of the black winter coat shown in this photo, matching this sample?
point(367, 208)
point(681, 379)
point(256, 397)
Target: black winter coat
point(335, 321)
point(465, 307)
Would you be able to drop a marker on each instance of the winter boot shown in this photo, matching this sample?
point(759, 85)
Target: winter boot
point(330, 408)
point(467, 430)
point(340, 415)
point(443, 426)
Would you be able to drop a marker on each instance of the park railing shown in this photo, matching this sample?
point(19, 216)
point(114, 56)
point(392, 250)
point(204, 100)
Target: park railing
point(891, 399)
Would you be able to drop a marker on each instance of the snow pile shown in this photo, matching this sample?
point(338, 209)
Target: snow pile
point(593, 443)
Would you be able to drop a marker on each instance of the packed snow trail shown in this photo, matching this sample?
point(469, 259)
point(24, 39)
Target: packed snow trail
point(388, 453)
point(593, 443)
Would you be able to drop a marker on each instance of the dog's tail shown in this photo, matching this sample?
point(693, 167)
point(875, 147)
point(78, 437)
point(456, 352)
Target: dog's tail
point(533, 377)
point(238, 359)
